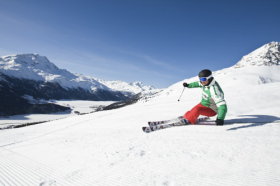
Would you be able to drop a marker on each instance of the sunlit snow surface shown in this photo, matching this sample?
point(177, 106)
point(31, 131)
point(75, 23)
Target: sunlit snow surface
point(110, 148)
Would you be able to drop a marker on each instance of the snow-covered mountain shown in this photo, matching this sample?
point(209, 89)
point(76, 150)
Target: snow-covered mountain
point(128, 89)
point(266, 55)
point(39, 68)
point(93, 150)
point(35, 77)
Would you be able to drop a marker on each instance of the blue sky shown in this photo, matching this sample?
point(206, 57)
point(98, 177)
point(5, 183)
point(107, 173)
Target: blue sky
point(157, 42)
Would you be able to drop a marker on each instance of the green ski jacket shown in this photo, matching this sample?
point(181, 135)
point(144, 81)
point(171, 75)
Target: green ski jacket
point(212, 97)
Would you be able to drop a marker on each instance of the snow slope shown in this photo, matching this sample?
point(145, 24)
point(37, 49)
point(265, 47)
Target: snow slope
point(109, 147)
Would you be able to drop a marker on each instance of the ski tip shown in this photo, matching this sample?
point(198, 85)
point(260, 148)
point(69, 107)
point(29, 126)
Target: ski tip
point(146, 129)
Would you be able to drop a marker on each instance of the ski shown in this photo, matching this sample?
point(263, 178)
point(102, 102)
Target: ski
point(175, 120)
point(181, 122)
point(154, 123)
point(162, 126)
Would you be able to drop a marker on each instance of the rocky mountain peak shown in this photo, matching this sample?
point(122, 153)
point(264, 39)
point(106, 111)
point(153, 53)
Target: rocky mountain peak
point(267, 55)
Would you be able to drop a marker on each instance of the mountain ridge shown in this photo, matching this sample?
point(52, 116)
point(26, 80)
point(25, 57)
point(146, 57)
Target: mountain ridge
point(32, 75)
point(39, 68)
point(266, 55)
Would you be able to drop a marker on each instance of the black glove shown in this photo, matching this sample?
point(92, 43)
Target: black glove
point(185, 84)
point(219, 122)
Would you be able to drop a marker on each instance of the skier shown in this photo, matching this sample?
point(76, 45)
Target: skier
point(212, 102)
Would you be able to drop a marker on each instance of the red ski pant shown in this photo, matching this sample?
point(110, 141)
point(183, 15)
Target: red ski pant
point(199, 109)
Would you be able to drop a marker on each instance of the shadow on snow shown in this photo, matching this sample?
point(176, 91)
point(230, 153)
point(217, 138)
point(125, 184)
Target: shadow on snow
point(252, 120)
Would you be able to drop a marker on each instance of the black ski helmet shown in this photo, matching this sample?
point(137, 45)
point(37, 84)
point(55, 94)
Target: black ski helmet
point(204, 73)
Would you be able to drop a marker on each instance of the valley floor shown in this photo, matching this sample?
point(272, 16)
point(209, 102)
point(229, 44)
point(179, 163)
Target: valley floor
point(77, 107)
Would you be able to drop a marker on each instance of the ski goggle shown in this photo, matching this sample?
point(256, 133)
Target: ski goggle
point(205, 78)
